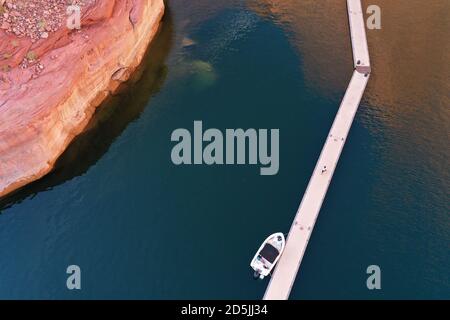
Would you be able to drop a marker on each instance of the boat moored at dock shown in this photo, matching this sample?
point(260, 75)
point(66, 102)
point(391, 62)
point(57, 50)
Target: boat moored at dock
point(268, 255)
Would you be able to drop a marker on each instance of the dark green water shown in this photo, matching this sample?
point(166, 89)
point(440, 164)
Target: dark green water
point(140, 227)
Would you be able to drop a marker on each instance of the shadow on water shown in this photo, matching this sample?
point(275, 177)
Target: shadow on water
point(110, 119)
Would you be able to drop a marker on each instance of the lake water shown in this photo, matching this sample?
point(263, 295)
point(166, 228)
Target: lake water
point(140, 227)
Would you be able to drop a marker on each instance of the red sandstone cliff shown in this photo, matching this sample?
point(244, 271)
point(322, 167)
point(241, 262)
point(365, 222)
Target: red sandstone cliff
point(50, 87)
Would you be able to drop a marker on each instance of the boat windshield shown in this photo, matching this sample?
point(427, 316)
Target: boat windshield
point(269, 252)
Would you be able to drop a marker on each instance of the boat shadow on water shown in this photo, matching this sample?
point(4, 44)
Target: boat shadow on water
point(110, 119)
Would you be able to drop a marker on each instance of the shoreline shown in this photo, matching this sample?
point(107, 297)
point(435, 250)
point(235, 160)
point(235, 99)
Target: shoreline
point(41, 116)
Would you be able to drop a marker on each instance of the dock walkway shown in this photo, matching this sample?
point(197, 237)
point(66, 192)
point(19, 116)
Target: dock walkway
point(285, 273)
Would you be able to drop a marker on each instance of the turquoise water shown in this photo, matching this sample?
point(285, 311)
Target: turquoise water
point(140, 227)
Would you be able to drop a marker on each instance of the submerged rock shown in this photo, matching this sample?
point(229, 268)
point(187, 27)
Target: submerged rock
point(203, 74)
point(187, 42)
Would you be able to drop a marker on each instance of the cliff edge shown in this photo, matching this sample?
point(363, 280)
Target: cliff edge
point(52, 77)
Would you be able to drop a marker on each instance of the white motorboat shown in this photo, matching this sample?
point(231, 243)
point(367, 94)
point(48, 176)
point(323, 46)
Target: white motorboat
point(268, 255)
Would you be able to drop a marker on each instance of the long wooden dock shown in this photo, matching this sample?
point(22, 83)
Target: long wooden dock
point(285, 273)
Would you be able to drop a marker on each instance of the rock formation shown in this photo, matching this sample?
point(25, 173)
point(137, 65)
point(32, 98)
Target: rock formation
point(53, 78)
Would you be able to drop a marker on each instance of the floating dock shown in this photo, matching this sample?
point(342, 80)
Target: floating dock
point(285, 273)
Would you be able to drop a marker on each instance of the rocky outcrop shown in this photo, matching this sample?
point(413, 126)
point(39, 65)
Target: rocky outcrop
point(50, 88)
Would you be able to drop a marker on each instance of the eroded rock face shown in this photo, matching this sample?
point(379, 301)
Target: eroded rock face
point(50, 88)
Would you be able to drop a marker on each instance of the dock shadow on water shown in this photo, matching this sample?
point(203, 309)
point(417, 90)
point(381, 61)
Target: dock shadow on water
point(110, 119)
